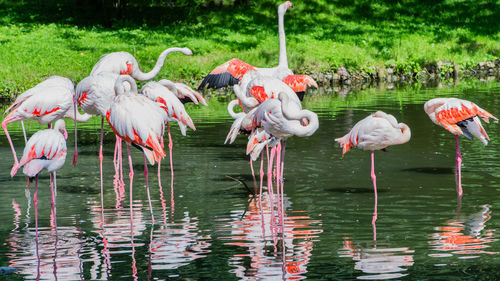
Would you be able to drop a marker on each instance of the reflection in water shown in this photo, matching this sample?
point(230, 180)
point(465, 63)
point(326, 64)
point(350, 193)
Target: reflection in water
point(466, 236)
point(379, 262)
point(267, 257)
point(177, 244)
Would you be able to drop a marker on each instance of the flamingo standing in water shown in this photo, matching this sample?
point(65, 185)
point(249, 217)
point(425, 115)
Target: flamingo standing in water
point(140, 122)
point(46, 149)
point(170, 102)
point(376, 132)
point(125, 63)
point(48, 101)
point(459, 117)
point(234, 71)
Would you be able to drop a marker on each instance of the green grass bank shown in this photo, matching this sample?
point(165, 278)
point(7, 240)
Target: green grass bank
point(63, 39)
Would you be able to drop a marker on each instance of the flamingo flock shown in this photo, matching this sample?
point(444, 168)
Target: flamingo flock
point(267, 108)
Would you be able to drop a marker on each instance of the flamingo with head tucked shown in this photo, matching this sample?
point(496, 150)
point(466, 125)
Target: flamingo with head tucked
point(140, 122)
point(48, 101)
point(234, 71)
point(125, 63)
point(183, 92)
point(376, 132)
point(46, 149)
point(459, 117)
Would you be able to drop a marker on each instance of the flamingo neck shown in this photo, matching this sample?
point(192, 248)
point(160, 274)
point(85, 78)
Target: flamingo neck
point(283, 61)
point(405, 134)
point(141, 76)
point(295, 116)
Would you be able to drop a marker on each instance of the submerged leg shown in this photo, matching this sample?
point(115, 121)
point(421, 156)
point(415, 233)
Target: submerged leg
point(253, 176)
point(52, 202)
point(458, 168)
point(131, 178)
point(147, 189)
point(374, 179)
point(281, 178)
point(261, 171)
point(35, 202)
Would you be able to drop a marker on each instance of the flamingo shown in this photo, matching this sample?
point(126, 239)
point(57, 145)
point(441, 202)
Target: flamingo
point(170, 102)
point(94, 95)
point(124, 63)
point(376, 132)
point(233, 71)
point(48, 101)
point(46, 149)
point(459, 117)
point(140, 122)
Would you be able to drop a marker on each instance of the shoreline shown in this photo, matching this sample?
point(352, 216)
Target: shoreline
point(342, 81)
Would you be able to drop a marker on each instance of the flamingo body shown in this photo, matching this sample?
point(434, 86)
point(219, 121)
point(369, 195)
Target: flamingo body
point(377, 131)
point(170, 103)
point(95, 93)
point(459, 117)
point(138, 120)
point(46, 149)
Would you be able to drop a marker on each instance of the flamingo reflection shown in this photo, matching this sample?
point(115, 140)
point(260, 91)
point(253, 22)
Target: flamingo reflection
point(177, 244)
point(57, 257)
point(379, 263)
point(464, 235)
point(265, 258)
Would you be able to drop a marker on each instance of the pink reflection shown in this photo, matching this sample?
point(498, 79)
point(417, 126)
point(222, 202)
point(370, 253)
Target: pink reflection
point(379, 262)
point(464, 235)
point(177, 244)
point(264, 258)
point(57, 253)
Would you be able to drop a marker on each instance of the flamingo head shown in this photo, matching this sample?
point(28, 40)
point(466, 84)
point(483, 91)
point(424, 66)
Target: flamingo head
point(283, 7)
point(61, 127)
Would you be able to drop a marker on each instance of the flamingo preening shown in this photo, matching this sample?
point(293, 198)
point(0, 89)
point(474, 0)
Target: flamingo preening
point(125, 63)
point(48, 101)
point(140, 122)
point(376, 132)
point(234, 71)
point(46, 149)
point(459, 117)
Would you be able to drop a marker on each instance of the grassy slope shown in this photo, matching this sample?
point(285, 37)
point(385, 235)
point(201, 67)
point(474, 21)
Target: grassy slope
point(321, 36)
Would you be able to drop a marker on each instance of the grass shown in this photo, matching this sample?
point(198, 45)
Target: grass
point(321, 36)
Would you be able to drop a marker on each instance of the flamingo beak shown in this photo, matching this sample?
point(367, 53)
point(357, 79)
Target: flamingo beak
point(65, 134)
point(305, 122)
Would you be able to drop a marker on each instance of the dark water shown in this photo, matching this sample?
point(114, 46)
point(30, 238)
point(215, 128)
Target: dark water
point(210, 227)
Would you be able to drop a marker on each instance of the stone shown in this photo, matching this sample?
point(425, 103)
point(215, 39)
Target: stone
point(336, 77)
point(343, 73)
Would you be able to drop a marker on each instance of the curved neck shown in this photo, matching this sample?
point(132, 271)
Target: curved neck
point(283, 61)
point(295, 118)
point(248, 102)
point(230, 109)
point(120, 89)
point(141, 76)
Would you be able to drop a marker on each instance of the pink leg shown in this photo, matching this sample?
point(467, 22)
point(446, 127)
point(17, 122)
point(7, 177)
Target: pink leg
point(100, 167)
point(52, 202)
point(116, 178)
point(16, 162)
point(35, 202)
point(75, 153)
point(277, 172)
point(261, 171)
point(282, 180)
point(147, 190)
point(131, 178)
point(170, 144)
point(120, 161)
point(458, 168)
point(374, 179)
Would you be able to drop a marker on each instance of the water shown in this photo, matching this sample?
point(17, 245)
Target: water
point(211, 227)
